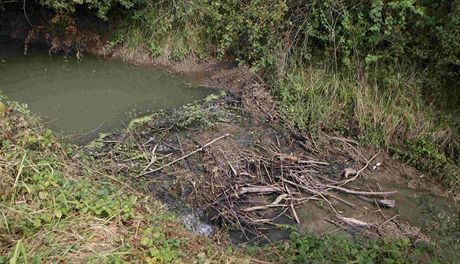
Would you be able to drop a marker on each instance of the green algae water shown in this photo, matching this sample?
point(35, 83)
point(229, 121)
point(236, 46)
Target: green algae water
point(81, 98)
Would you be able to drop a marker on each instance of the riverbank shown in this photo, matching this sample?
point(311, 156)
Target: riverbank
point(258, 100)
point(63, 203)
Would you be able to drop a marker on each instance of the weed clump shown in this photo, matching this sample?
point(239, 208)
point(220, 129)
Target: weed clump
point(328, 249)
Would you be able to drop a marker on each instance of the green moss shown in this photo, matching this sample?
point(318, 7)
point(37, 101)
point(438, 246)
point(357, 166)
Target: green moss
point(139, 122)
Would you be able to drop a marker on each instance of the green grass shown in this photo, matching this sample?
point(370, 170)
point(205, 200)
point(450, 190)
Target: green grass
point(425, 155)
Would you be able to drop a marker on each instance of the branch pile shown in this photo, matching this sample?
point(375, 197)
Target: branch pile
point(260, 185)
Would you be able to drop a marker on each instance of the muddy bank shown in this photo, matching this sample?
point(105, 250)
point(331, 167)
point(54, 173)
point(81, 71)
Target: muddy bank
point(257, 100)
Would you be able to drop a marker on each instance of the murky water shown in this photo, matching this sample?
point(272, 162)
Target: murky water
point(437, 216)
point(81, 98)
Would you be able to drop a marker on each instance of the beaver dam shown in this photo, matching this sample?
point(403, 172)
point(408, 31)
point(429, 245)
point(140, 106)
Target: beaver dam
point(225, 160)
point(242, 173)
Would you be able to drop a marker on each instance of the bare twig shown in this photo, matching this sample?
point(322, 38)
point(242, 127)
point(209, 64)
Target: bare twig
point(355, 222)
point(185, 156)
point(25, 13)
point(359, 192)
point(21, 167)
point(361, 170)
point(258, 189)
point(275, 203)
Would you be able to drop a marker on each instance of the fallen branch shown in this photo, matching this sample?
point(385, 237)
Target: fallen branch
point(355, 222)
point(294, 213)
point(359, 192)
point(386, 203)
point(185, 156)
point(275, 203)
point(388, 220)
point(361, 170)
point(258, 189)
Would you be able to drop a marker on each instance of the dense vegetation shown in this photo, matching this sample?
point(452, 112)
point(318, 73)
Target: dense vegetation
point(57, 204)
point(385, 72)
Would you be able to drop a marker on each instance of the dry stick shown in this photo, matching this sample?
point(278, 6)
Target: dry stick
point(386, 203)
point(355, 222)
point(361, 170)
point(339, 199)
point(294, 213)
point(347, 140)
point(325, 192)
point(275, 203)
point(21, 166)
point(312, 191)
point(313, 162)
point(258, 189)
point(152, 159)
point(180, 144)
point(388, 220)
point(185, 156)
point(359, 192)
point(349, 143)
point(267, 220)
point(232, 211)
point(233, 169)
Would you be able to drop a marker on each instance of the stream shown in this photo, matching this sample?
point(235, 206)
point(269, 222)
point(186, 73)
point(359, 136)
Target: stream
point(80, 98)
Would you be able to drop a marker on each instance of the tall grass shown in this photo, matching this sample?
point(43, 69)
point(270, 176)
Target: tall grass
point(385, 109)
